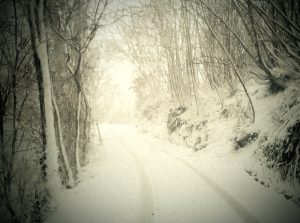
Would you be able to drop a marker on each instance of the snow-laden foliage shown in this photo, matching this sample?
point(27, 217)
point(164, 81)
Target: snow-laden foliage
point(281, 146)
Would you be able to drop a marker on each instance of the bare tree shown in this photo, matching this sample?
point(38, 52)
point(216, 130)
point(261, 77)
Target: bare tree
point(36, 19)
point(78, 34)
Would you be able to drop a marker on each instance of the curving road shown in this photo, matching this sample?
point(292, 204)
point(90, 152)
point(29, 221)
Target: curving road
point(135, 179)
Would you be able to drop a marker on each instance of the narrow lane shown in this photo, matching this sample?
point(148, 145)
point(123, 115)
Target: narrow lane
point(135, 179)
point(181, 195)
point(147, 213)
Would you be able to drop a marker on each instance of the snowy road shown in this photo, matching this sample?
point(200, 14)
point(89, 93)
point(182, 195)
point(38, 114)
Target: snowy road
point(134, 178)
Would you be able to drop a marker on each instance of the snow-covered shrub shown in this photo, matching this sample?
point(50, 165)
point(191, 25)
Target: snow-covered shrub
point(188, 131)
point(282, 75)
point(285, 152)
point(245, 139)
point(282, 146)
point(235, 108)
point(198, 135)
point(174, 121)
point(198, 145)
point(225, 113)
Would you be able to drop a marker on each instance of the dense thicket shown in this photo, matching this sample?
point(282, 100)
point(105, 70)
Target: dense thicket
point(178, 44)
point(45, 114)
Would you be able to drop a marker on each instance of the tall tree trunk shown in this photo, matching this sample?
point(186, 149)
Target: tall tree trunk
point(189, 52)
point(39, 45)
point(71, 181)
point(78, 166)
point(77, 79)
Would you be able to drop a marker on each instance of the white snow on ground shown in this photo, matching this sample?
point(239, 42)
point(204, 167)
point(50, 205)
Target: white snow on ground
point(134, 177)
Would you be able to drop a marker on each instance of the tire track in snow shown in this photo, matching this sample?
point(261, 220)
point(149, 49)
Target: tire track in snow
point(147, 194)
point(147, 208)
point(239, 208)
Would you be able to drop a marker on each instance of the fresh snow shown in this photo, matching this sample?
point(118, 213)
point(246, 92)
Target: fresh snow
point(134, 177)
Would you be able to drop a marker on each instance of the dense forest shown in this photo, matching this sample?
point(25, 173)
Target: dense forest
point(189, 55)
point(45, 105)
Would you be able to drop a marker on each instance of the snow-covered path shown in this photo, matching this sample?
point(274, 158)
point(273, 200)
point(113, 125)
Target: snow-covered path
point(133, 178)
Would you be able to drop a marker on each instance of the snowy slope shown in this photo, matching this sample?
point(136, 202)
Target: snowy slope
point(217, 127)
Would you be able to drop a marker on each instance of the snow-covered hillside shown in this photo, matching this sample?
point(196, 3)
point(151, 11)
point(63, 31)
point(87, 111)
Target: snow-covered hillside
point(223, 133)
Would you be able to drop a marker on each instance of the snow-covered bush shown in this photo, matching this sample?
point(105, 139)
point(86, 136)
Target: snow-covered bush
point(284, 152)
point(185, 129)
point(174, 121)
point(282, 146)
point(245, 139)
